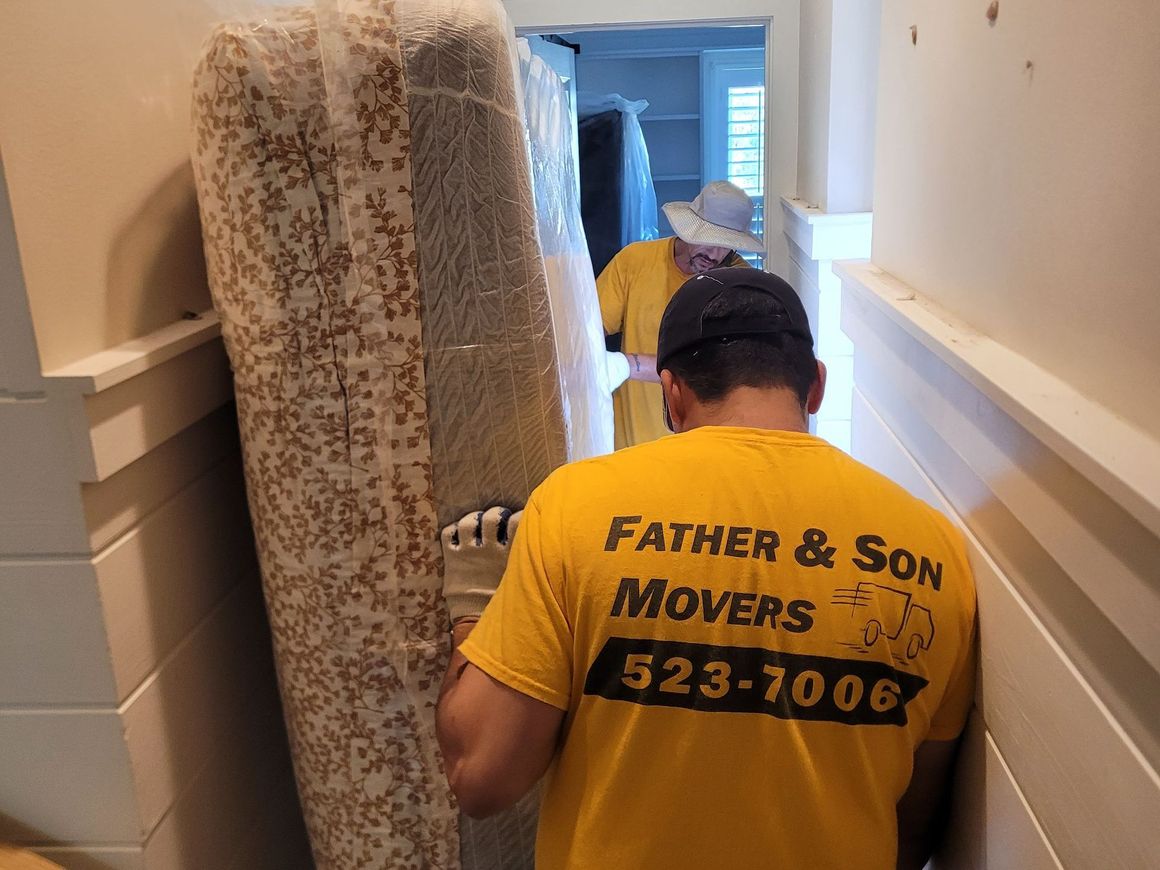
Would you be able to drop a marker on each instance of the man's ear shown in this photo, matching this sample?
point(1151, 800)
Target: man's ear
point(674, 400)
point(817, 390)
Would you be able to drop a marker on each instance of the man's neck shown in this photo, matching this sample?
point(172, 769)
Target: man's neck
point(752, 408)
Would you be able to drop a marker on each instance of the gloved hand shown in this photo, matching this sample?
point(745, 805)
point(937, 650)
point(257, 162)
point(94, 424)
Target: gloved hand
point(618, 368)
point(475, 553)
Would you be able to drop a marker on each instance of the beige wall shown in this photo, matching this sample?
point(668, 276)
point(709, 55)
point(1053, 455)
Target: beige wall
point(1027, 200)
point(94, 121)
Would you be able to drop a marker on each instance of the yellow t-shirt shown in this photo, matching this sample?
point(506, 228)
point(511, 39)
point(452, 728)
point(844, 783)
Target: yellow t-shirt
point(750, 632)
point(634, 289)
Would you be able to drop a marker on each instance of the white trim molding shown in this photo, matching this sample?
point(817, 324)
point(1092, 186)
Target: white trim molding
point(129, 601)
point(126, 401)
point(110, 367)
point(824, 236)
point(815, 239)
point(1117, 457)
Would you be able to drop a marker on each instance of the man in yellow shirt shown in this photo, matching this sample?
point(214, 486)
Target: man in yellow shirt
point(736, 647)
point(637, 284)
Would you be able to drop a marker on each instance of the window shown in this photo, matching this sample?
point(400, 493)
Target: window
point(733, 131)
point(745, 145)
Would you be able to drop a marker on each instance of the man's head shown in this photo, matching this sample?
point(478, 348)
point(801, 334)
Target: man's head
point(738, 333)
point(712, 226)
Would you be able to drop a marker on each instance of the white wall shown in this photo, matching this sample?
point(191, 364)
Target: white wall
point(816, 239)
point(1004, 357)
point(814, 106)
point(781, 61)
point(829, 217)
point(853, 104)
point(836, 114)
point(139, 716)
point(1062, 767)
point(1026, 200)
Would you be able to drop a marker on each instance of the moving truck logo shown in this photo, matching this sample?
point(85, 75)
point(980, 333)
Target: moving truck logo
point(882, 612)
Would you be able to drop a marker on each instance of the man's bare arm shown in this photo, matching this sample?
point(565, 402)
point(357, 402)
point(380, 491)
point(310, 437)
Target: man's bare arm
point(922, 812)
point(496, 742)
point(643, 367)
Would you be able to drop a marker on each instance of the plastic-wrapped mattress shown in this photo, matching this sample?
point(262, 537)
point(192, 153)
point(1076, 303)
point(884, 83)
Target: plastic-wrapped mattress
point(487, 320)
point(372, 243)
point(313, 270)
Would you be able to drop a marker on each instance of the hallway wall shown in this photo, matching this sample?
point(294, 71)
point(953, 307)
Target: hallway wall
point(836, 112)
point(1025, 199)
point(140, 725)
point(94, 129)
point(1063, 759)
point(1004, 351)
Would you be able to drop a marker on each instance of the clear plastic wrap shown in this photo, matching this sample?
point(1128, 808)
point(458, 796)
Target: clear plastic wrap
point(572, 287)
point(505, 376)
point(638, 198)
point(400, 357)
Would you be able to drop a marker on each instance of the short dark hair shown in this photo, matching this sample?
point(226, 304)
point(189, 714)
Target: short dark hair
point(716, 367)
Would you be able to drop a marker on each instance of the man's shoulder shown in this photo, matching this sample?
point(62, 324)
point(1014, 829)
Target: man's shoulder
point(609, 471)
point(901, 506)
point(643, 252)
point(900, 498)
point(649, 244)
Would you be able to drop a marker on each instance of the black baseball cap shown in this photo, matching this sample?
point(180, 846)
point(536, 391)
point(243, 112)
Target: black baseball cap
point(683, 324)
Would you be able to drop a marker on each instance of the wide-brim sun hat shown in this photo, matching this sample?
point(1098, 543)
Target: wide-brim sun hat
point(719, 216)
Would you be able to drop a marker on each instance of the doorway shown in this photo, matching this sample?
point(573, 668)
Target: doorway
point(697, 96)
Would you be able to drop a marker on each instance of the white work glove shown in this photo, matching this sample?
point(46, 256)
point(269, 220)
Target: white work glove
point(618, 368)
point(475, 553)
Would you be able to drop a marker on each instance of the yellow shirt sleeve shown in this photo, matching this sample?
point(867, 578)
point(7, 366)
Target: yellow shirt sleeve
point(524, 639)
point(612, 290)
point(950, 718)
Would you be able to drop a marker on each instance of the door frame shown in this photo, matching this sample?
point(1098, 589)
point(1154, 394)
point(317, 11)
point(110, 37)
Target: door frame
point(781, 20)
